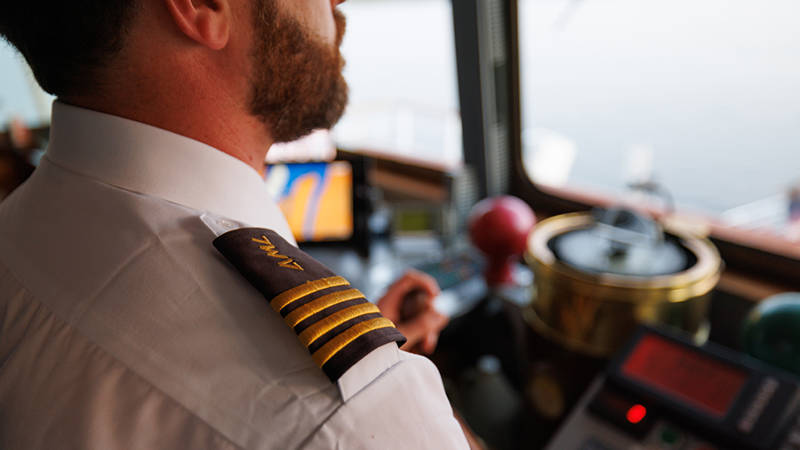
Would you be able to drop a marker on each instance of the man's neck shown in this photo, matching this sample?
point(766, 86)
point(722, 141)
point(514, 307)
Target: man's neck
point(211, 121)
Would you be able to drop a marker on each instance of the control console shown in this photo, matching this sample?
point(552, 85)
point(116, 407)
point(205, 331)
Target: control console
point(663, 392)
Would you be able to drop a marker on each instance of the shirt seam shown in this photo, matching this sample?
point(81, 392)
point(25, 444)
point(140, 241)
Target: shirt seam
point(43, 306)
point(319, 428)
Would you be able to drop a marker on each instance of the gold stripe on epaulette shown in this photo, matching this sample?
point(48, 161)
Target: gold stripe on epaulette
point(317, 305)
point(314, 332)
point(333, 346)
point(298, 292)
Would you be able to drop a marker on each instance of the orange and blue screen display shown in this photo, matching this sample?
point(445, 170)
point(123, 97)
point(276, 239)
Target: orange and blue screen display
point(316, 198)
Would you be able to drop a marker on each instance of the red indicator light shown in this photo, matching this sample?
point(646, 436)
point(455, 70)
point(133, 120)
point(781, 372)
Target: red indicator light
point(636, 414)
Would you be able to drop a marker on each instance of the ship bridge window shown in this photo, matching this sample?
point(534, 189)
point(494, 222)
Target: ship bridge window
point(21, 99)
point(401, 69)
point(696, 104)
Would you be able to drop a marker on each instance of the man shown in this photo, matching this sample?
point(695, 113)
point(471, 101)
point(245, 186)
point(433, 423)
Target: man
point(121, 326)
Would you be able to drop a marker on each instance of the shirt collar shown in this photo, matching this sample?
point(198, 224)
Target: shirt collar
point(152, 161)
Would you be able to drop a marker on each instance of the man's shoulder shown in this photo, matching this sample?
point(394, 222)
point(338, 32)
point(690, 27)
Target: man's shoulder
point(404, 407)
point(141, 279)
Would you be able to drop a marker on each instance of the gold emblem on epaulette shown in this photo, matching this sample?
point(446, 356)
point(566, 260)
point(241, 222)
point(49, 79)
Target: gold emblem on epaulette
point(270, 249)
point(325, 324)
point(333, 320)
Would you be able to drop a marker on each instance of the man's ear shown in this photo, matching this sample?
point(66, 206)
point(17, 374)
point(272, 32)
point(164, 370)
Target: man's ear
point(207, 22)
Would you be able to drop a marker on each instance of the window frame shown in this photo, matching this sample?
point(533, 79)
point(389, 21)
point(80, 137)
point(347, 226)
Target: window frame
point(755, 254)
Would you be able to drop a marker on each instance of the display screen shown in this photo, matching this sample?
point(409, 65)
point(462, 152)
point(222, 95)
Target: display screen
point(690, 377)
point(316, 198)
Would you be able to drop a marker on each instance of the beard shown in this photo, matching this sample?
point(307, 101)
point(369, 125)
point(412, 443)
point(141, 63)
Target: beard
point(297, 84)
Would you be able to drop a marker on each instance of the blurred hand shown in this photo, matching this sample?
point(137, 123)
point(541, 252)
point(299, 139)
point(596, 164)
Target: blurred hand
point(418, 321)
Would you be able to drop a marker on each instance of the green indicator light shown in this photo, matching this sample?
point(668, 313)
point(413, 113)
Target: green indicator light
point(669, 436)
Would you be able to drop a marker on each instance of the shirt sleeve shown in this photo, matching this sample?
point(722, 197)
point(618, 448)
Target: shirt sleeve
point(404, 407)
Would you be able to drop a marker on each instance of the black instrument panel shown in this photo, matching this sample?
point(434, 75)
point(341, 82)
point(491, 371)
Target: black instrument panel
point(663, 391)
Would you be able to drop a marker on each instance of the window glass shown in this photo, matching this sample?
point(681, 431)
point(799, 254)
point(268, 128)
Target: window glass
point(20, 97)
point(402, 74)
point(702, 97)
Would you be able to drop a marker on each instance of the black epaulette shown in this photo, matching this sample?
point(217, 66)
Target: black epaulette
point(333, 320)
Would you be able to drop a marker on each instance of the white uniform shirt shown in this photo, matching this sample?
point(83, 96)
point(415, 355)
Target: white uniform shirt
point(121, 327)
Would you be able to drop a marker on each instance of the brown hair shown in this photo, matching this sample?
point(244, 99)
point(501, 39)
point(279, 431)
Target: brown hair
point(66, 43)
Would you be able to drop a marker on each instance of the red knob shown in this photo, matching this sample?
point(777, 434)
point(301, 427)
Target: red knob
point(499, 227)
